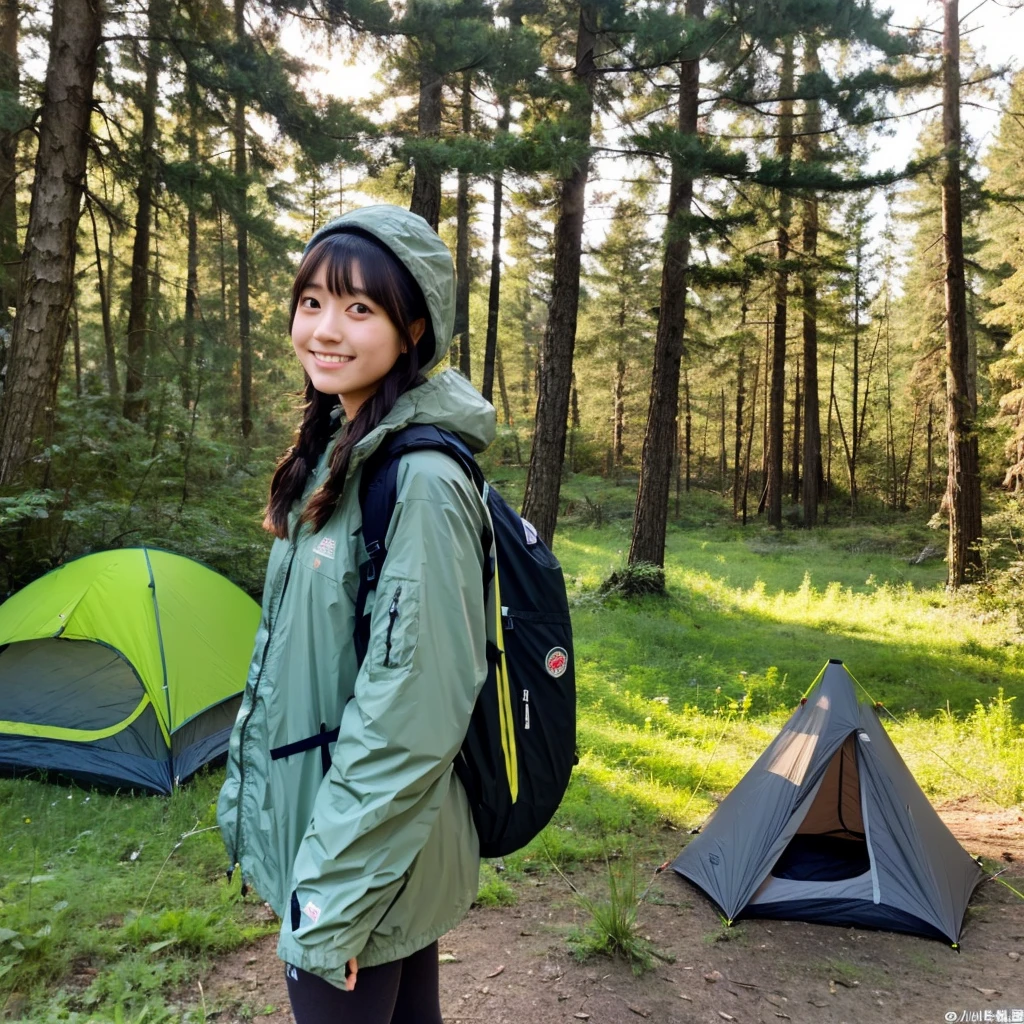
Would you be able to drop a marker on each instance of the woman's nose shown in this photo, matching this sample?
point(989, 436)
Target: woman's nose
point(328, 326)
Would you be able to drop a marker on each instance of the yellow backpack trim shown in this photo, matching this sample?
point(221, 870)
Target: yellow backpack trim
point(505, 712)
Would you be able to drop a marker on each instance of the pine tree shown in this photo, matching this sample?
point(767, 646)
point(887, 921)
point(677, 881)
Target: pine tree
point(543, 480)
point(1005, 228)
point(648, 541)
point(964, 557)
point(47, 280)
point(139, 311)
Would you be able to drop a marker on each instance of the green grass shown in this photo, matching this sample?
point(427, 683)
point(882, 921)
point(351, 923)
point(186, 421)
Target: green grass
point(103, 915)
point(100, 893)
point(679, 694)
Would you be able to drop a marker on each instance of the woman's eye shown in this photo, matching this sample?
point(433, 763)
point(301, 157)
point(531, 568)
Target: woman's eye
point(309, 299)
point(360, 307)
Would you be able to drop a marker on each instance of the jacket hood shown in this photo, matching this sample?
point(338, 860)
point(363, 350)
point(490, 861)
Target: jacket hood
point(415, 243)
point(447, 400)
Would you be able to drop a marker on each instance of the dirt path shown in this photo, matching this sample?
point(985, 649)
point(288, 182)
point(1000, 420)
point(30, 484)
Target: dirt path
point(512, 966)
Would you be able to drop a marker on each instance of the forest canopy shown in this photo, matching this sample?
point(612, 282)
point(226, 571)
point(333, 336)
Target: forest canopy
point(682, 259)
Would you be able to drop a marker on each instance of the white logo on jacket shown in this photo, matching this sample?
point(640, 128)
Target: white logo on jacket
point(325, 547)
point(311, 910)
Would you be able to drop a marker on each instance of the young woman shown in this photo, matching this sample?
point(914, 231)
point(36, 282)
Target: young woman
point(340, 803)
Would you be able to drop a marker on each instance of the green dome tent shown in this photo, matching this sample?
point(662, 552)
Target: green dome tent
point(123, 667)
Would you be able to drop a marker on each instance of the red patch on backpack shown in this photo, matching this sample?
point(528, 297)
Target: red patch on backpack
point(557, 661)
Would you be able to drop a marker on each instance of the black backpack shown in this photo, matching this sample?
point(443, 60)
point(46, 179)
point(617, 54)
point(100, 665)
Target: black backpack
point(516, 758)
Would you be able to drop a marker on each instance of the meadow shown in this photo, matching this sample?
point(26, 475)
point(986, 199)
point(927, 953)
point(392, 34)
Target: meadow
point(111, 904)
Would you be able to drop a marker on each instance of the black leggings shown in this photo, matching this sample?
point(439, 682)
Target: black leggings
point(401, 992)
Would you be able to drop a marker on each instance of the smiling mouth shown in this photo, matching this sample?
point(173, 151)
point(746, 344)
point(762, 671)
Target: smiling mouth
point(323, 356)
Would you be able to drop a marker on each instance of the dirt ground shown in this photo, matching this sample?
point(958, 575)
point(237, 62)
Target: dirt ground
point(512, 965)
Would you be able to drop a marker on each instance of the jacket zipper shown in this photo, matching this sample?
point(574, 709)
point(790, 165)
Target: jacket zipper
point(252, 708)
point(392, 617)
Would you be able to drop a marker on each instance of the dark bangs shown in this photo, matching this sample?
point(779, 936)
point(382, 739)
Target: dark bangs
point(385, 281)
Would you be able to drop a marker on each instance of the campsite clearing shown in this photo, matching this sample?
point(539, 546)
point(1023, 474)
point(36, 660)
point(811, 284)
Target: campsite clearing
point(507, 965)
point(118, 916)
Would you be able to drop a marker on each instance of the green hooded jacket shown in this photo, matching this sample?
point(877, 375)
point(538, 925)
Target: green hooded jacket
point(365, 847)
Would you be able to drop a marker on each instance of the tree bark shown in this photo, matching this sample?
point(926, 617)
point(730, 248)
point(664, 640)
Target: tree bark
point(650, 520)
point(811, 481)
point(242, 239)
point(138, 307)
point(426, 185)
point(777, 401)
point(494, 292)
point(544, 477)
point(47, 278)
point(10, 82)
point(964, 487)
point(462, 241)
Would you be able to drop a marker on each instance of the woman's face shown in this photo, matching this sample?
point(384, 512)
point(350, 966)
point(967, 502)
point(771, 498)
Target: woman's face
point(346, 343)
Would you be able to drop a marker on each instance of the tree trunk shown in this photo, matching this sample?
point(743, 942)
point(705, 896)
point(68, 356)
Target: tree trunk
point(811, 480)
point(619, 416)
point(76, 338)
point(113, 385)
point(964, 487)
point(905, 486)
point(777, 402)
point(828, 436)
point(677, 466)
point(750, 437)
point(242, 239)
point(426, 185)
point(851, 458)
point(688, 438)
point(723, 462)
point(704, 441)
point(890, 428)
point(740, 399)
point(10, 83)
point(47, 278)
point(544, 477)
point(506, 406)
point(796, 438)
point(462, 241)
point(929, 459)
point(192, 272)
point(494, 292)
point(138, 308)
point(650, 520)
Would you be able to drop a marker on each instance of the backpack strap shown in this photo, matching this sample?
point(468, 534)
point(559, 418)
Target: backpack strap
point(378, 492)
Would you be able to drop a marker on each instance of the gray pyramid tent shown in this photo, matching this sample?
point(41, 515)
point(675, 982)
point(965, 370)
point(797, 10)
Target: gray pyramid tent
point(830, 826)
